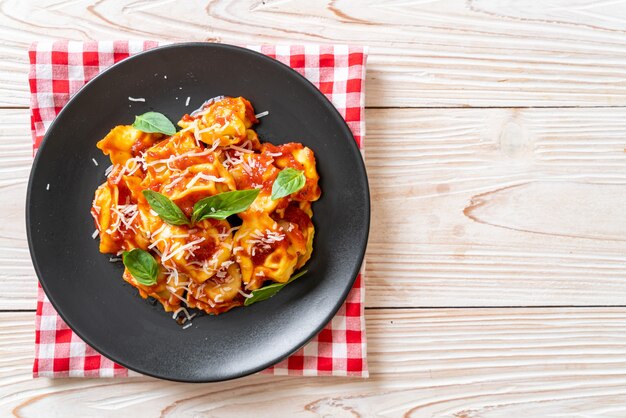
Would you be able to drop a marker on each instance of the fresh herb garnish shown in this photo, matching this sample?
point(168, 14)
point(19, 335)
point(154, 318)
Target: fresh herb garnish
point(287, 182)
point(223, 205)
point(165, 208)
point(270, 290)
point(154, 122)
point(141, 265)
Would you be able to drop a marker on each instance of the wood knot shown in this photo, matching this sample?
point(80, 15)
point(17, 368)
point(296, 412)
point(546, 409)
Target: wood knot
point(514, 140)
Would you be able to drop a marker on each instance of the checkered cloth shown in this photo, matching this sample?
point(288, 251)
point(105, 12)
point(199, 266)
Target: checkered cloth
point(60, 69)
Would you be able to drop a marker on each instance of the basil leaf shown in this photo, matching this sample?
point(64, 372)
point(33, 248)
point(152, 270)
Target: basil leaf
point(141, 265)
point(154, 122)
point(270, 290)
point(223, 205)
point(167, 210)
point(287, 182)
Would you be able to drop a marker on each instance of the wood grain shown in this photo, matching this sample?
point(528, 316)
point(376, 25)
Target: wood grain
point(471, 207)
point(423, 53)
point(17, 277)
point(456, 363)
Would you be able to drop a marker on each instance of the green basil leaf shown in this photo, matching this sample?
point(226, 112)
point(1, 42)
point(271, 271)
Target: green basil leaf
point(270, 290)
point(154, 122)
point(287, 182)
point(167, 210)
point(141, 265)
point(223, 205)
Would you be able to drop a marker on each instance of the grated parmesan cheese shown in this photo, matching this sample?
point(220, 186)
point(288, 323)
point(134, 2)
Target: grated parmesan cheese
point(119, 177)
point(154, 244)
point(173, 293)
point(136, 99)
point(94, 162)
point(187, 101)
point(240, 149)
point(204, 177)
point(174, 182)
point(260, 115)
point(158, 231)
point(181, 249)
point(179, 157)
point(196, 135)
point(183, 310)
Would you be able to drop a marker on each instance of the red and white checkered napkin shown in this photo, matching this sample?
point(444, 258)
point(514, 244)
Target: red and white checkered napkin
point(59, 69)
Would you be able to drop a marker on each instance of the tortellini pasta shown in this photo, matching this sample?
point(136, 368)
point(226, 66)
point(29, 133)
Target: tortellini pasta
point(212, 264)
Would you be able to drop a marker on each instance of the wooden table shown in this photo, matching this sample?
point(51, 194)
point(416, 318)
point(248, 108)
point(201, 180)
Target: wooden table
point(496, 275)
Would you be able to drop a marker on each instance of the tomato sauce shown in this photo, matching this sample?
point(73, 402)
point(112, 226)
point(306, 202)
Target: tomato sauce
point(206, 250)
point(185, 162)
point(124, 195)
point(261, 252)
point(141, 145)
point(286, 159)
point(297, 216)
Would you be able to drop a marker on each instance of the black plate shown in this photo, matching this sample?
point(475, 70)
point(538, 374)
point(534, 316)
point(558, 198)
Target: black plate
point(88, 291)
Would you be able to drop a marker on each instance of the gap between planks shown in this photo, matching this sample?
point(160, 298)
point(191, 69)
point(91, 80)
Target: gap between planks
point(430, 308)
point(436, 107)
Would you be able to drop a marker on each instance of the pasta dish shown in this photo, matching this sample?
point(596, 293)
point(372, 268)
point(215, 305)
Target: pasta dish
point(205, 215)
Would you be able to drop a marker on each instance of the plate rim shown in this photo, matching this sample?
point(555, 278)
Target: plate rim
point(30, 234)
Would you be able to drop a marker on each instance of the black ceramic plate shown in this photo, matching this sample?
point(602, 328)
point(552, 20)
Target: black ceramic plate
point(88, 291)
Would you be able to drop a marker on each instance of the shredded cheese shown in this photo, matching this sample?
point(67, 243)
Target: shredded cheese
point(196, 135)
point(204, 177)
point(158, 231)
point(179, 157)
point(180, 236)
point(119, 177)
point(155, 243)
point(173, 293)
point(181, 249)
point(174, 182)
point(260, 115)
point(136, 99)
point(241, 149)
point(211, 128)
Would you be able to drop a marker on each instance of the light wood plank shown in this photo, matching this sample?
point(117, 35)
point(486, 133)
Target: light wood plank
point(497, 207)
point(17, 276)
point(424, 363)
point(470, 207)
point(423, 53)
